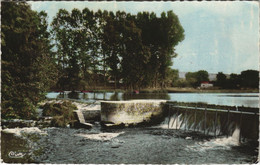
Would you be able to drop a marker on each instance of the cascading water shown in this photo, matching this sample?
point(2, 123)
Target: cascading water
point(218, 143)
point(179, 121)
point(214, 123)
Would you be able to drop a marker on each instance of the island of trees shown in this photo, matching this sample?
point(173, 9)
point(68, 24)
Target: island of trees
point(83, 50)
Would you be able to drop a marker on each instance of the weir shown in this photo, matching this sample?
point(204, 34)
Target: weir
point(209, 119)
point(213, 121)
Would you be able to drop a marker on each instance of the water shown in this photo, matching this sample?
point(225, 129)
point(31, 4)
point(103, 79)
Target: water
point(135, 146)
point(176, 140)
point(228, 99)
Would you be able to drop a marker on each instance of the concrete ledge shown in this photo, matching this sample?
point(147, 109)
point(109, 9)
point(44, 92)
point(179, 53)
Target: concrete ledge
point(131, 112)
point(92, 115)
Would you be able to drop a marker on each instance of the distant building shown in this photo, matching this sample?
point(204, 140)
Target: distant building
point(206, 84)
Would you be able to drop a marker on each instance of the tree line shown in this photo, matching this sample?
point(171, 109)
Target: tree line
point(81, 49)
point(94, 47)
point(246, 79)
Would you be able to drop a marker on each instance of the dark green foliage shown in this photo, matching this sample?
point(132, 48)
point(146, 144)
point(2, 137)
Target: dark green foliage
point(62, 113)
point(201, 76)
point(27, 66)
point(221, 79)
point(250, 79)
point(99, 46)
point(247, 79)
point(234, 82)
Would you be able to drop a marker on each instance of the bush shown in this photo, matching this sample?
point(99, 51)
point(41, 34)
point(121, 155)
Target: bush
point(18, 109)
point(62, 113)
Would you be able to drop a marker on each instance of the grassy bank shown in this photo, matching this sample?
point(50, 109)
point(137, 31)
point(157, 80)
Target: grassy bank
point(173, 90)
point(193, 90)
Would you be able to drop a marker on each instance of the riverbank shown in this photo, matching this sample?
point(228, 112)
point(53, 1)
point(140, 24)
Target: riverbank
point(172, 90)
point(193, 90)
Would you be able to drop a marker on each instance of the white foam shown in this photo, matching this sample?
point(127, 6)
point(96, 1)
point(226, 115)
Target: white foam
point(19, 131)
point(223, 142)
point(100, 136)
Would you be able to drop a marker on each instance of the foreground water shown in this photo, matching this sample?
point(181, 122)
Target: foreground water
point(134, 145)
point(229, 99)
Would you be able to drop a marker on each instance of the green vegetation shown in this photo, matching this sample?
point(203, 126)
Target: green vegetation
point(86, 50)
point(62, 113)
point(81, 49)
point(247, 79)
point(27, 65)
point(192, 79)
point(134, 51)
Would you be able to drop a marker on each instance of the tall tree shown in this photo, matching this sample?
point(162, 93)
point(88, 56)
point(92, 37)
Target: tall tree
point(112, 46)
point(221, 80)
point(137, 49)
point(28, 68)
point(171, 34)
point(67, 31)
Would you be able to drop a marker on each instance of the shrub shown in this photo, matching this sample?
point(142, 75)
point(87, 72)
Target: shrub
point(62, 113)
point(18, 108)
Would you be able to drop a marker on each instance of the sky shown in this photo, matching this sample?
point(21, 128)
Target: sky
point(219, 36)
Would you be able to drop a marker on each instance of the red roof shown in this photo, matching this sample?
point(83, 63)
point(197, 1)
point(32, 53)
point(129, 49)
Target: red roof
point(204, 82)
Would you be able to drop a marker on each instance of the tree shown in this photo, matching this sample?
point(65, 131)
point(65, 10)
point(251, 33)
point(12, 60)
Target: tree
point(234, 81)
point(69, 34)
point(112, 40)
point(221, 80)
point(28, 68)
point(137, 49)
point(201, 76)
point(171, 33)
point(194, 79)
point(172, 76)
point(191, 78)
point(250, 79)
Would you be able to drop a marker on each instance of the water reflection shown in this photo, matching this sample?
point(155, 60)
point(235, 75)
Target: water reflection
point(164, 96)
point(229, 99)
point(115, 97)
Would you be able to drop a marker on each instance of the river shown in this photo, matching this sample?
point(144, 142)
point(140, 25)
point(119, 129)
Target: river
point(229, 99)
point(155, 144)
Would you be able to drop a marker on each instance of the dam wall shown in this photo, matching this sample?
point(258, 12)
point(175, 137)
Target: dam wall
point(209, 119)
point(132, 111)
